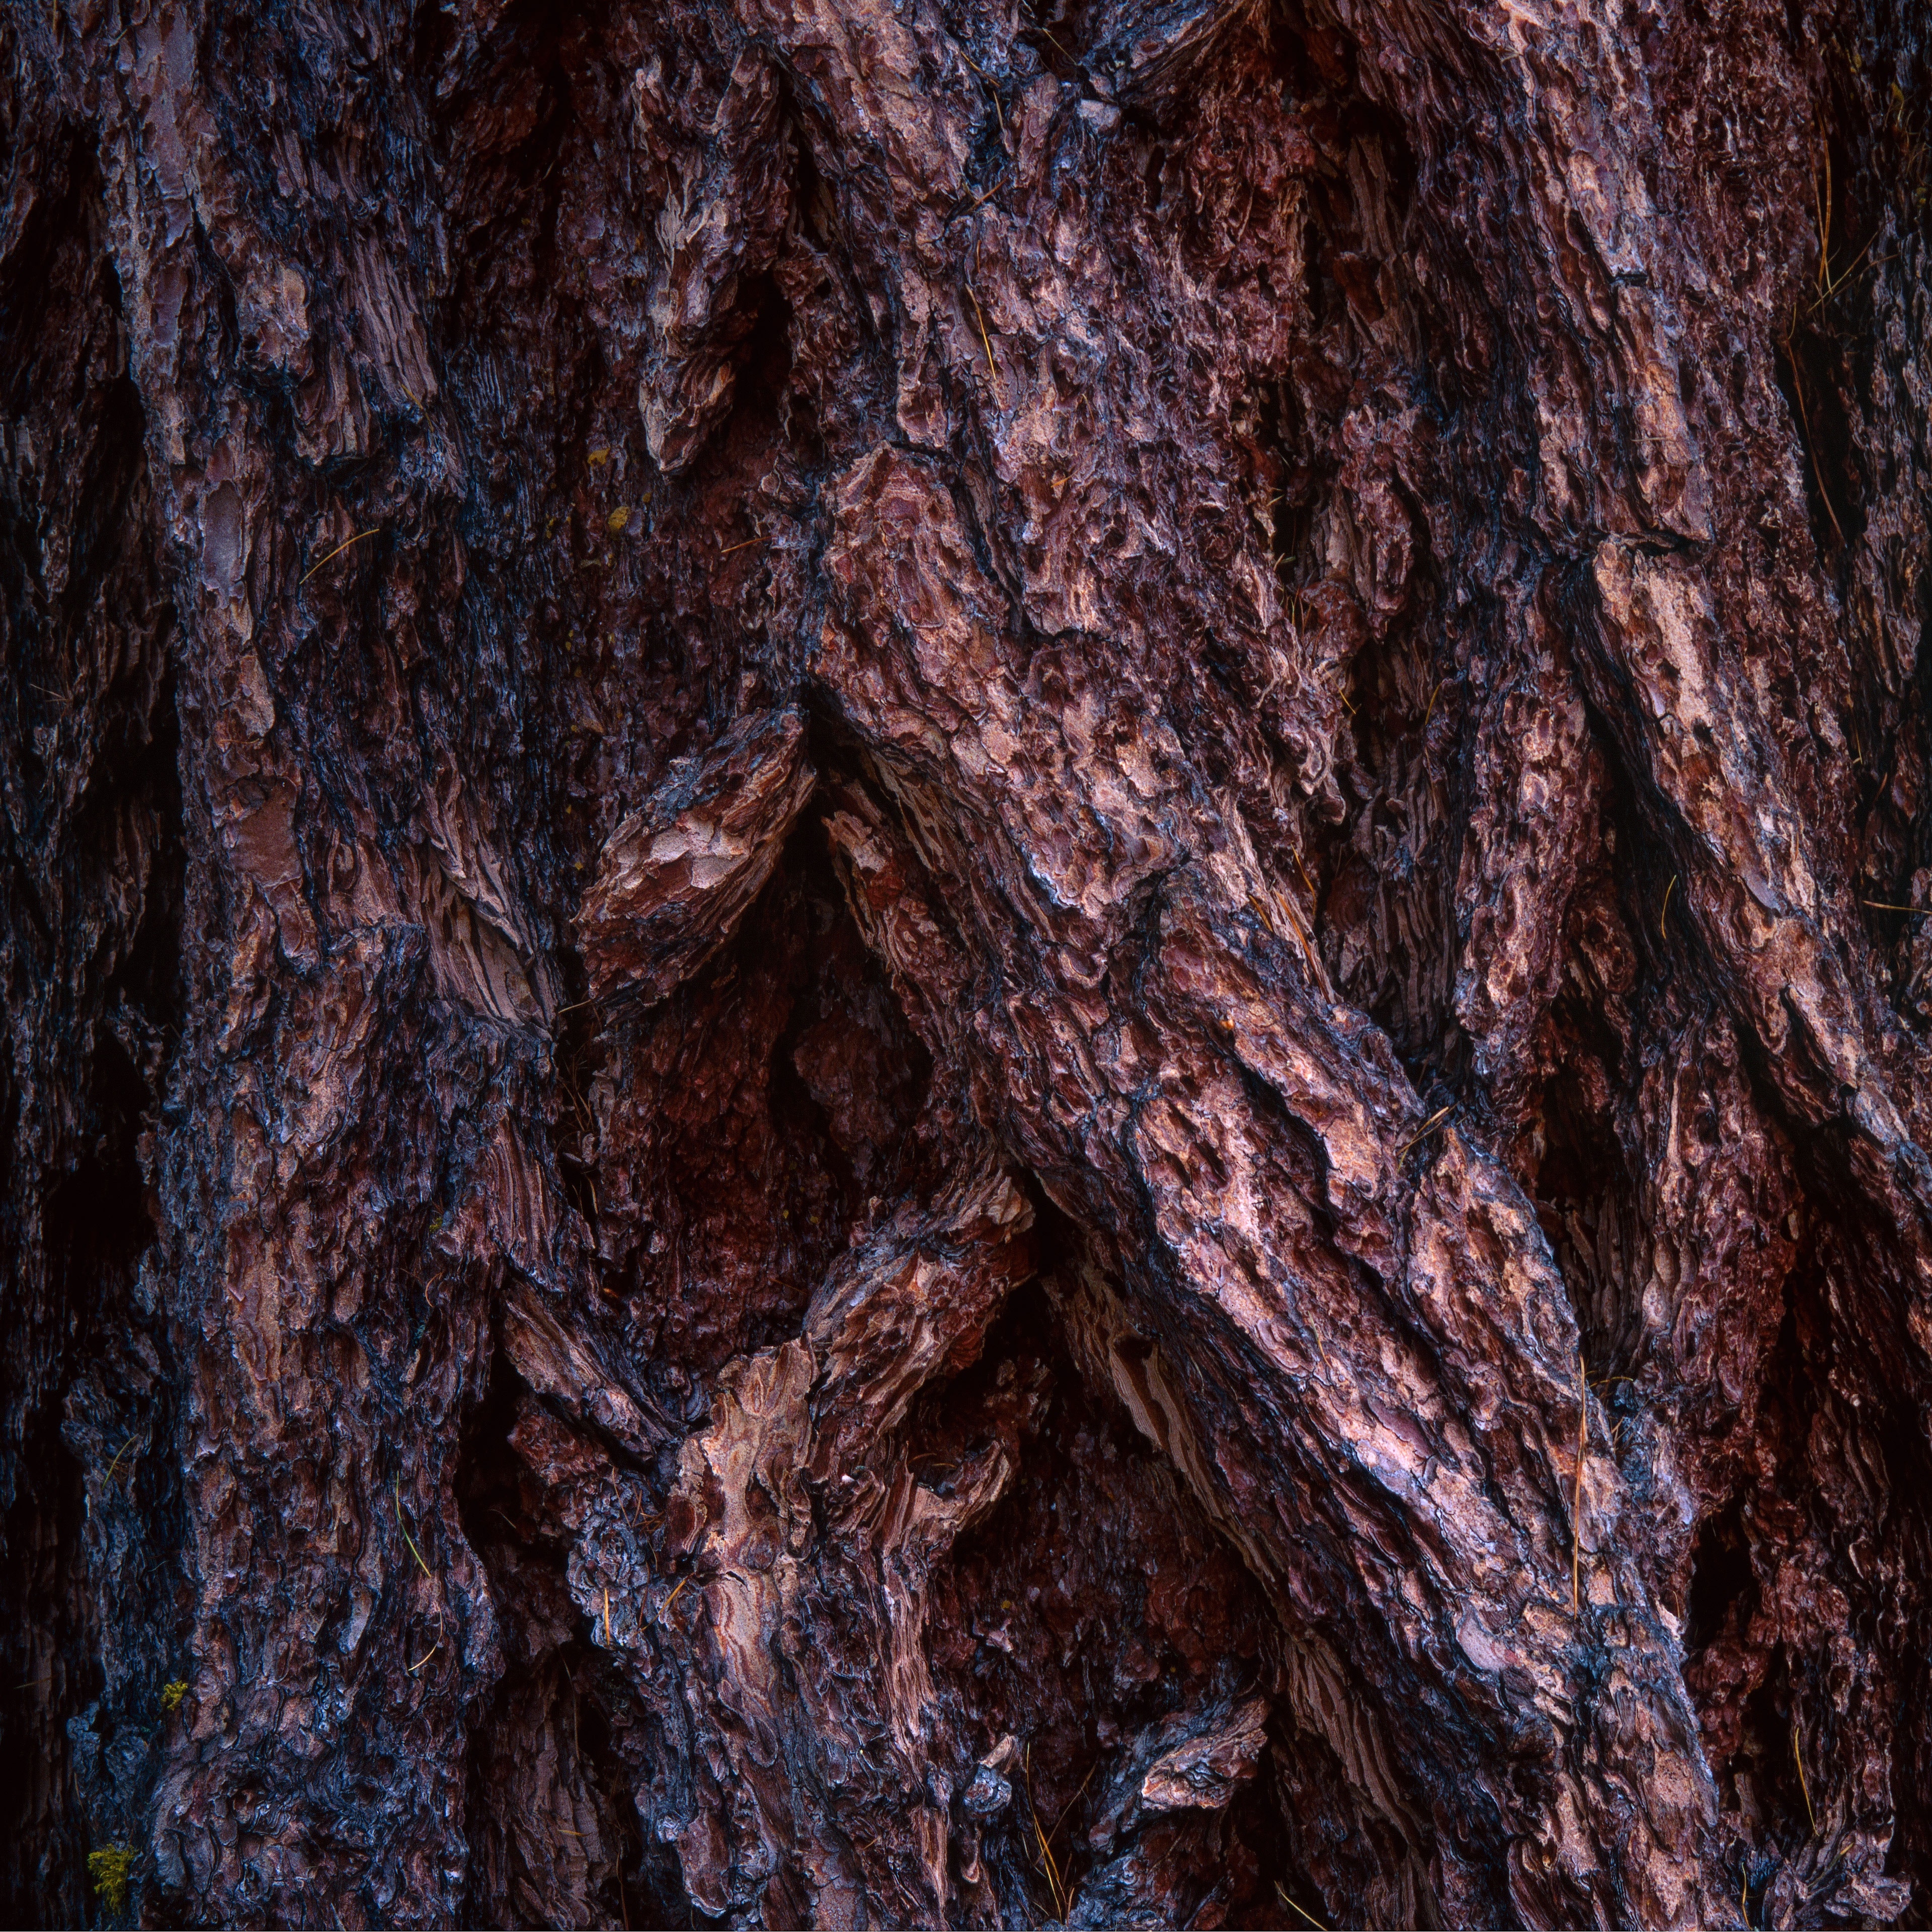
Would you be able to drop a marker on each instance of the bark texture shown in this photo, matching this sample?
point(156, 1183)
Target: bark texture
point(965, 965)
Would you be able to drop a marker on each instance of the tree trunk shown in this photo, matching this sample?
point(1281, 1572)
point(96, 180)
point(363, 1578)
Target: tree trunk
point(965, 967)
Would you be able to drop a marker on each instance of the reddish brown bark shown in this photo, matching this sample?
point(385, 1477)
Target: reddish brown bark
point(965, 967)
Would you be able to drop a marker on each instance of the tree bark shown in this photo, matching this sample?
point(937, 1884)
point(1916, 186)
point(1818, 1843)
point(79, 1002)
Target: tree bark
point(965, 966)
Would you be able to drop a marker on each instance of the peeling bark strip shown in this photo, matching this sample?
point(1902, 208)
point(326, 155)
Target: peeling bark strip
point(965, 968)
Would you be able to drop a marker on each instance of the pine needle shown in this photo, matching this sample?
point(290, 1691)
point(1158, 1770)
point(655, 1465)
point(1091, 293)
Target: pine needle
point(986, 342)
point(978, 201)
point(1422, 1132)
point(406, 1537)
point(336, 552)
point(1293, 1907)
point(1886, 905)
point(116, 1463)
point(1314, 966)
point(1836, 283)
point(991, 88)
point(1052, 1870)
point(424, 1659)
point(1073, 1800)
point(1804, 423)
point(1798, 1758)
point(1046, 1850)
point(1577, 1508)
point(1666, 913)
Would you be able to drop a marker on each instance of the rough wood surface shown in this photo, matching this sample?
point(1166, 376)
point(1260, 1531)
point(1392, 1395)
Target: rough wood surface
point(965, 966)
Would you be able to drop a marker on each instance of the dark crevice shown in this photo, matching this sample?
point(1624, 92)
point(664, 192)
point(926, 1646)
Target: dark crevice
point(1723, 1585)
point(1041, 1613)
point(1812, 375)
point(91, 881)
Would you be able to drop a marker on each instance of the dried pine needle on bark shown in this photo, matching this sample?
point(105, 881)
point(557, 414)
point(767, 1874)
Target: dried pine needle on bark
point(1296, 1909)
point(986, 342)
point(1050, 1867)
point(1422, 1131)
point(1576, 1505)
point(357, 537)
point(118, 1454)
point(1288, 913)
point(406, 1537)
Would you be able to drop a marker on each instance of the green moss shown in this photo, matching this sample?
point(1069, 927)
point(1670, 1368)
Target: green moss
point(110, 1868)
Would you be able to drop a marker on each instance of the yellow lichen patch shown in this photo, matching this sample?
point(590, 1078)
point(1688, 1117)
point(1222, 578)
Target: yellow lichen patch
point(172, 1695)
point(110, 1868)
point(617, 519)
point(597, 458)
